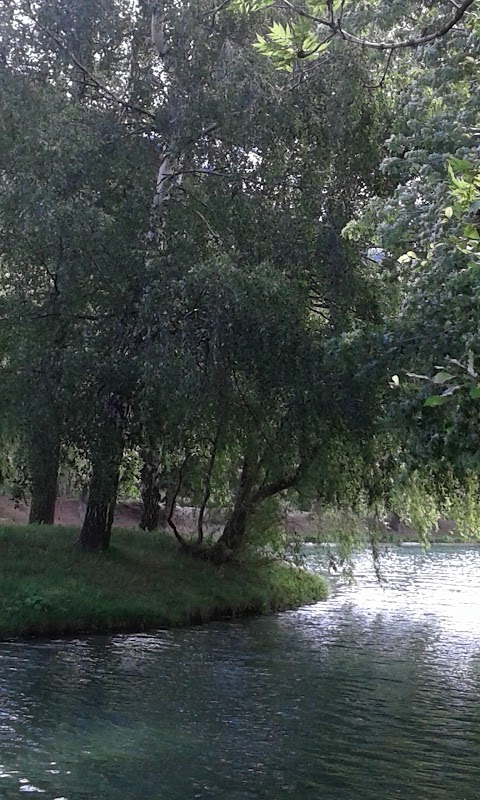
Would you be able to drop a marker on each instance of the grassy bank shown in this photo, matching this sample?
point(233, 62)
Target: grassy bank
point(48, 587)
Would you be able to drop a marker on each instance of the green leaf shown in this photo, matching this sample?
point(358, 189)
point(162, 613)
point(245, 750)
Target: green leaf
point(475, 392)
point(448, 212)
point(279, 34)
point(471, 232)
point(247, 6)
point(323, 46)
point(442, 377)
point(436, 400)
point(315, 6)
point(460, 164)
point(309, 43)
point(259, 4)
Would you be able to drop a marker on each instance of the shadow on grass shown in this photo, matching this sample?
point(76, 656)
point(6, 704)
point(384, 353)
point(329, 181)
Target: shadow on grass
point(49, 587)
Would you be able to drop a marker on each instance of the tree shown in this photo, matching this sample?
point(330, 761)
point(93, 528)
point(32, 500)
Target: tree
point(60, 292)
point(197, 316)
point(426, 233)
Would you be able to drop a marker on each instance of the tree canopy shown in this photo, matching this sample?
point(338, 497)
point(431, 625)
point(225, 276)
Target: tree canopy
point(229, 259)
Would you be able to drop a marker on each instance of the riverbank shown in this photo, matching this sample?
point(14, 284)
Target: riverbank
point(394, 538)
point(307, 526)
point(49, 588)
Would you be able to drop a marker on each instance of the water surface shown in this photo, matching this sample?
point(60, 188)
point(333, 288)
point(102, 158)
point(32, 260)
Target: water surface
point(373, 695)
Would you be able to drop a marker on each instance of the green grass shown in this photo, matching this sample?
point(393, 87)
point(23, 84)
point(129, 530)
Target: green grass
point(48, 587)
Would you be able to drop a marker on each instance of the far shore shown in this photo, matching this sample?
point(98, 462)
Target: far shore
point(308, 526)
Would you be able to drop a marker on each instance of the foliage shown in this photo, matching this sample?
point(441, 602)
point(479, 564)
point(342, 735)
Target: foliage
point(166, 267)
point(174, 274)
point(425, 233)
point(311, 26)
point(283, 43)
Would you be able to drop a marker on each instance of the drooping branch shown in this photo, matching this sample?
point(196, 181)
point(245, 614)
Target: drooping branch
point(251, 411)
point(380, 83)
point(109, 93)
point(279, 485)
point(214, 11)
point(205, 221)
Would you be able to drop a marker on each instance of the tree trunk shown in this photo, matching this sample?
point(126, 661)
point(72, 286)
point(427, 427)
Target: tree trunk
point(235, 529)
point(102, 496)
point(151, 495)
point(247, 500)
point(44, 466)
point(173, 487)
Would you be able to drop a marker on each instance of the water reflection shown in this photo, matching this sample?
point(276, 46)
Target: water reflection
point(374, 694)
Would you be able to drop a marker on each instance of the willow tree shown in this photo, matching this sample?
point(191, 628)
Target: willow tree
point(71, 244)
point(258, 217)
point(211, 189)
point(33, 333)
point(63, 289)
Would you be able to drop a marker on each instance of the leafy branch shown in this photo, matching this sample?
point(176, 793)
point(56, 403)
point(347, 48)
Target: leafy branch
point(281, 42)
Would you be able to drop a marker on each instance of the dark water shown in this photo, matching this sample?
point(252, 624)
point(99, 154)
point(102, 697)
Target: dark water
point(372, 695)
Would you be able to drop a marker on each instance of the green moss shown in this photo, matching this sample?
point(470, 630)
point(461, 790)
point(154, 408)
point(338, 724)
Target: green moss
point(50, 587)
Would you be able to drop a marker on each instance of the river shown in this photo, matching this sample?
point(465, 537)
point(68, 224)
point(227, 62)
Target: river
point(373, 695)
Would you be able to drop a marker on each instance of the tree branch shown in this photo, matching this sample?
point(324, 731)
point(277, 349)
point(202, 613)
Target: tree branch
point(279, 485)
point(413, 41)
point(170, 521)
point(205, 221)
point(214, 11)
point(212, 172)
point(251, 411)
point(336, 27)
point(208, 480)
point(384, 74)
point(306, 15)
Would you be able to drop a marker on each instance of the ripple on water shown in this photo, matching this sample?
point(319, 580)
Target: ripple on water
point(373, 694)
